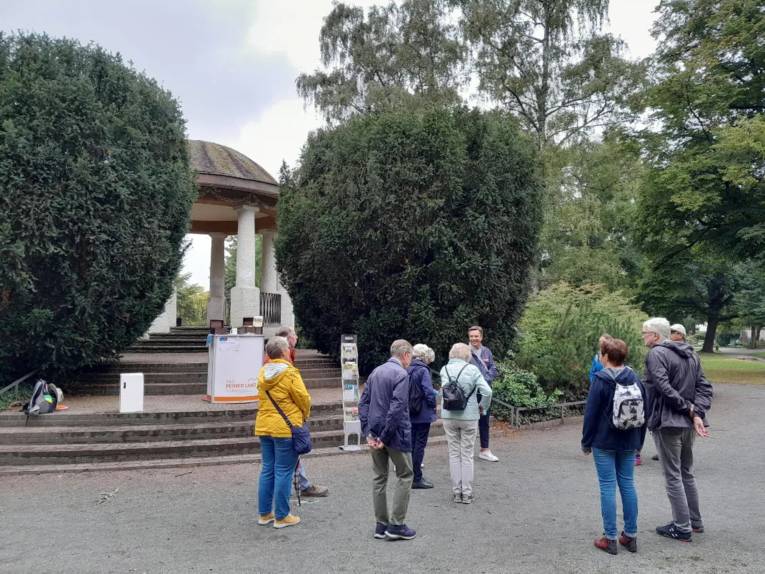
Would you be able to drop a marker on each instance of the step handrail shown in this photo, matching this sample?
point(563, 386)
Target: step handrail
point(17, 382)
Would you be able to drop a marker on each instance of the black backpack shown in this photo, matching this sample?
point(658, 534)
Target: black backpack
point(416, 398)
point(454, 398)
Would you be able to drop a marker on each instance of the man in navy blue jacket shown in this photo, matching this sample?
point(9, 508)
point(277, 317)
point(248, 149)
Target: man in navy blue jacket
point(482, 358)
point(384, 416)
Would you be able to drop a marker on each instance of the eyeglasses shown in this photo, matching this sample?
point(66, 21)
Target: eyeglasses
point(644, 333)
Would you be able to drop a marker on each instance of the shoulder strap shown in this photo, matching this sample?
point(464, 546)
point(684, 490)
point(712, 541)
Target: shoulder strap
point(457, 378)
point(278, 408)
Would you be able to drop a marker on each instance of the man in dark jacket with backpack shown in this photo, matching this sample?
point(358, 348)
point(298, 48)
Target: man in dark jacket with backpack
point(679, 397)
point(384, 416)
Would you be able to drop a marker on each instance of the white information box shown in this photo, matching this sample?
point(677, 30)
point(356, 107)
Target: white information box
point(233, 366)
point(131, 392)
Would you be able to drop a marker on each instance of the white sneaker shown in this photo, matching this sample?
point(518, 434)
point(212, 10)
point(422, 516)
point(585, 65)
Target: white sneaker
point(488, 456)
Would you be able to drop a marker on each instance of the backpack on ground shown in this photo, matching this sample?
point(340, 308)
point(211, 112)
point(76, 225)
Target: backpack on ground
point(454, 398)
point(416, 398)
point(44, 399)
point(628, 406)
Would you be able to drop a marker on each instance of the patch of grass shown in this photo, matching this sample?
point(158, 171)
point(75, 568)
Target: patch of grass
point(723, 369)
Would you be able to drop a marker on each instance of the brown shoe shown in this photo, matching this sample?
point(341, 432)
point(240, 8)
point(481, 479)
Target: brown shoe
point(315, 491)
point(629, 542)
point(606, 545)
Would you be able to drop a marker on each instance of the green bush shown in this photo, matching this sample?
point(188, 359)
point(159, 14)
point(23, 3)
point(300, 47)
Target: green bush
point(560, 328)
point(411, 224)
point(95, 193)
point(519, 388)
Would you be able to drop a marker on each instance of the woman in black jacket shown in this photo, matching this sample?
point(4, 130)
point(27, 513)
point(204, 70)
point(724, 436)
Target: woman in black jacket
point(613, 448)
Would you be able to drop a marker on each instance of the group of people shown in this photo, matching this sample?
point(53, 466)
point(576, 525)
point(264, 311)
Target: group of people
point(671, 402)
point(394, 431)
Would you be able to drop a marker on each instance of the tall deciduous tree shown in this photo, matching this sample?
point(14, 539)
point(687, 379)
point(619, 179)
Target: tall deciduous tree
point(394, 54)
point(548, 63)
point(95, 194)
point(410, 224)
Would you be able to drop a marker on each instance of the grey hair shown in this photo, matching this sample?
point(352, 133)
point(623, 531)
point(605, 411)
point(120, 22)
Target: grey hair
point(658, 325)
point(460, 351)
point(277, 347)
point(400, 347)
point(285, 332)
point(422, 351)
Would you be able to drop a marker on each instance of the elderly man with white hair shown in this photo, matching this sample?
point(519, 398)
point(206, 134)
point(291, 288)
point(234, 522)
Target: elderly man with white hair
point(679, 397)
point(461, 426)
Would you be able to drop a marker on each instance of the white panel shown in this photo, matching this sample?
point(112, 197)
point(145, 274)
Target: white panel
point(131, 392)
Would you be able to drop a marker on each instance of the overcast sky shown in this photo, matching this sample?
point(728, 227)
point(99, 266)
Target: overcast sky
point(232, 63)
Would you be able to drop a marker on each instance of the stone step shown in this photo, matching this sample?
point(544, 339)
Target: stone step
point(146, 433)
point(436, 437)
point(66, 418)
point(169, 342)
point(194, 367)
point(16, 455)
point(148, 377)
point(179, 336)
point(150, 348)
point(149, 389)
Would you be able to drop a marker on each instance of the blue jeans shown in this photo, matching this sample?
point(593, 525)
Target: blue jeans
point(617, 467)
point(275, 483)
point(303, 482)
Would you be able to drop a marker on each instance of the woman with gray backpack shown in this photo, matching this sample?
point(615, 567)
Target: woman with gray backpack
point(613, 429)
point(460, 411)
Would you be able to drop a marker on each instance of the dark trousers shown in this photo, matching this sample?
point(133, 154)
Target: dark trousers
point(483, 429)
point(419, 442)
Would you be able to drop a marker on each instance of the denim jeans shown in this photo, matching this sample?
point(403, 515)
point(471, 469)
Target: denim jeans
point(275, 483)
point(420, 433)
point(617, 467)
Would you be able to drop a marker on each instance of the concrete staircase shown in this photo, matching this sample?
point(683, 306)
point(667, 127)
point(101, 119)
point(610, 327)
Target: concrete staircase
point(178, 340)
point(181, 431)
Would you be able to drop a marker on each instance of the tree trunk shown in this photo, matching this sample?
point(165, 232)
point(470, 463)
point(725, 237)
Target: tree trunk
point(709, 337)
point(756, 336)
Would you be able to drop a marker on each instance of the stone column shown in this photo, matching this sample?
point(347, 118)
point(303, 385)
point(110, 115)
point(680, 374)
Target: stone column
point(216, 306)
point(268, 283)
point(245, 296)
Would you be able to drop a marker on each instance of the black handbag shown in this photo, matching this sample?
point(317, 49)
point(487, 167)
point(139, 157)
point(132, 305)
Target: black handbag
point(301, 436)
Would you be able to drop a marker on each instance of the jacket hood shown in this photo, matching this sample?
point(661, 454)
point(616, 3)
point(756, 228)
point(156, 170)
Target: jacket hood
point(417, 364)
point(682, 349)
point(272, 373)
point(620, 375)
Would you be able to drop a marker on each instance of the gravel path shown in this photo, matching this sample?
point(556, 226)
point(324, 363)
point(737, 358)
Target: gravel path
point(536, 511)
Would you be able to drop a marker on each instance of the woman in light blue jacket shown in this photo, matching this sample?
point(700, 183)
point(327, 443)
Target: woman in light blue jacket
point(461, 426)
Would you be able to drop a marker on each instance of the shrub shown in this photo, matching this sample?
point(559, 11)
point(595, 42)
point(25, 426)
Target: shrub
point(411, 224)
point(519, 388)
point(95, 192)
point(560, 328)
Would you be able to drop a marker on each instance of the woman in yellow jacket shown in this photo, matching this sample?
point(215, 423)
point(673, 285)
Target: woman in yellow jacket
point(282, 381)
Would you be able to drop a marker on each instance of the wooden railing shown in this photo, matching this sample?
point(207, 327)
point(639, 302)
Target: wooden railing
point(271, 309)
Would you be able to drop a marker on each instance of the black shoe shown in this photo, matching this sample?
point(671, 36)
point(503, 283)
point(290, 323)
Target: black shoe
point(399, 532)
point(380, 529)
point(698, 529)
point(424, 483)
point(671, 531)
point(655, 457)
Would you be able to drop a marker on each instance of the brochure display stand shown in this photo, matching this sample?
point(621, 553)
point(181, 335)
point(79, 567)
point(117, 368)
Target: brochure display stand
point(349, 364)
point(232, 368)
